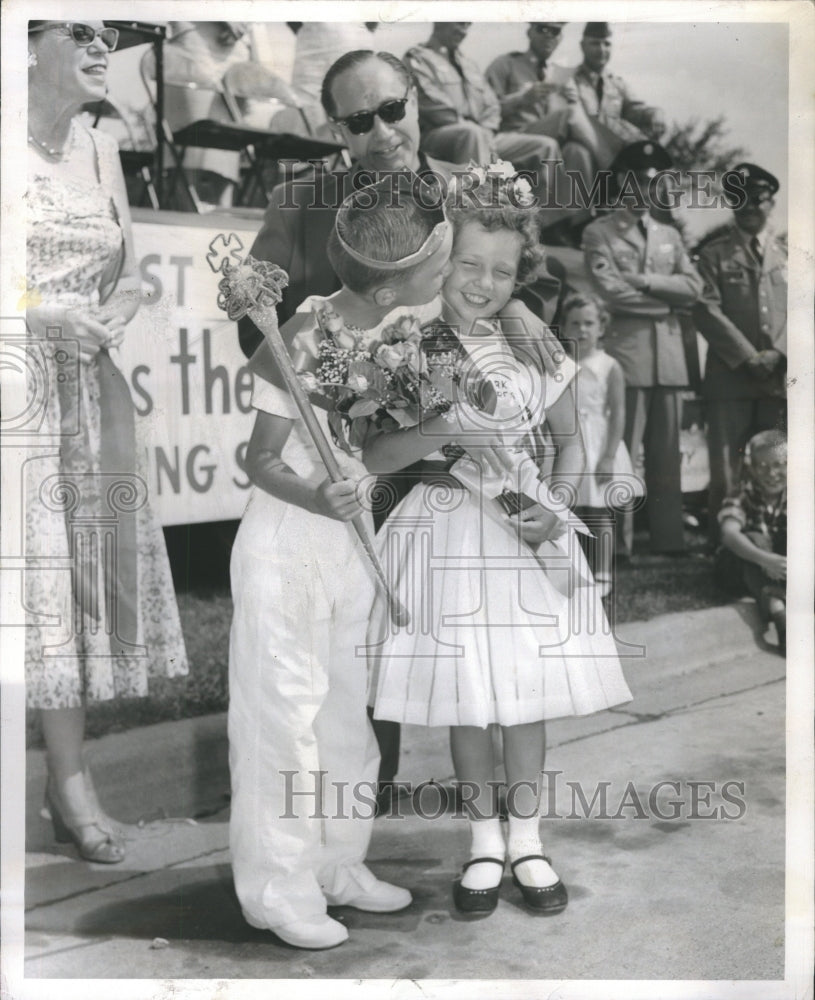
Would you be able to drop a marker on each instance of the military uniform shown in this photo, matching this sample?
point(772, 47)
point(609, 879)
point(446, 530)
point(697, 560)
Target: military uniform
point(645, 337)
point(610, 118)
point(459, 114)
point(743, 310)
point(607, 98)
point(511, 74)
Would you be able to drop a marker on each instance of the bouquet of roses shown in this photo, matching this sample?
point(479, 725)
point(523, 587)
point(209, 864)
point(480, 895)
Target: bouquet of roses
point(410, 372)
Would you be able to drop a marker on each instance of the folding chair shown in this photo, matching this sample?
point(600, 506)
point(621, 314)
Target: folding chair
point(251, 89)
point(187, 96)
point(136, 163)
point(251, 82)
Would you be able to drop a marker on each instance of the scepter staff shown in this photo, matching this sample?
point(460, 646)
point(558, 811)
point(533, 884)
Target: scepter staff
point(253, 288)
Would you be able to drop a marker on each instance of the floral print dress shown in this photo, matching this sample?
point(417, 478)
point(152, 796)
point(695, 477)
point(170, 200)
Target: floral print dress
point(74, 241)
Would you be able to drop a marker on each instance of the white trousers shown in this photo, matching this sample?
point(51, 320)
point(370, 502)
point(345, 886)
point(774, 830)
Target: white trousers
point(297, 687)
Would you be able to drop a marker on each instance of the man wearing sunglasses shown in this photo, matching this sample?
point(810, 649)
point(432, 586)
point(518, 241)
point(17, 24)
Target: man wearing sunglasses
point(534, 92)
point(371, 104)
point(459, 112)
point(743, 316)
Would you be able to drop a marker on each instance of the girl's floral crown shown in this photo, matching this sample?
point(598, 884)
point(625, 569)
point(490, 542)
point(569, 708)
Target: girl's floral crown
point(499, 177)
point(427, 249)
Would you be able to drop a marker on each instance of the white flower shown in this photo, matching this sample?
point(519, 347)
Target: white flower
point(405, 328)
point(501, 168)
point(524, 194)
point(358, 383)
point(330, 320)
point(347, 341)
point(32, 59)
point(308, 381)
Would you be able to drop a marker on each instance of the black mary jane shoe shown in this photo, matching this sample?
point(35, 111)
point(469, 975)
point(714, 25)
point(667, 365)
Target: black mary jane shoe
point(477, 900)
point(541, 899)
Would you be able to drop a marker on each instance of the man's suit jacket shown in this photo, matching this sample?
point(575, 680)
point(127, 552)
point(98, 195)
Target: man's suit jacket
point(294, 235)
point(644, 335)
point(743, 309)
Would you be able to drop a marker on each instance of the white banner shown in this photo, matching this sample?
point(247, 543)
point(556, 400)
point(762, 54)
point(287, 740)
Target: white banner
point(187, 374)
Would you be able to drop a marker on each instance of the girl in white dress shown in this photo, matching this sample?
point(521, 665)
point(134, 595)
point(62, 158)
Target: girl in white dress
point(609, 478)
point(506, 627)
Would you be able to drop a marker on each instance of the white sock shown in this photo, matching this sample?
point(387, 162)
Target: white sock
point(524, 838)
point(487, 842)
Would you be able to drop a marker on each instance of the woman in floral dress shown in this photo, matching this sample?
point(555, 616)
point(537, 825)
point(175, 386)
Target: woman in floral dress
point(101, 610)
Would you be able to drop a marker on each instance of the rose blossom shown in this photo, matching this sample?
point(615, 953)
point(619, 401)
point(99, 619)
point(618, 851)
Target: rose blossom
point(390, 355)
point(347, 341)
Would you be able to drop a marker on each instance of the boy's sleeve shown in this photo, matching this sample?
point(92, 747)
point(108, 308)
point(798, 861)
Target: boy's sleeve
point(269, 391)
point(732, 507)
point(271, 399)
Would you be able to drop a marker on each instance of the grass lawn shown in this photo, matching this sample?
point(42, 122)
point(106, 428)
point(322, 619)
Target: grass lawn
point(646, 587)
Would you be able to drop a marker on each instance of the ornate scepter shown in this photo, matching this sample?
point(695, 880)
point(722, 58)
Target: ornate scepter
point(253, 288)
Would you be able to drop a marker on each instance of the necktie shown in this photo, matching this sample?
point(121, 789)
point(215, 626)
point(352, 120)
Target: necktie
point(755, 246)
point(643, 229)
point(542, 71)
point(599, 89)
point(453, 57)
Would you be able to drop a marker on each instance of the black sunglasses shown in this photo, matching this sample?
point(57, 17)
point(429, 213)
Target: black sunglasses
point(82, 34)
point(547, 29)
point(361, 122)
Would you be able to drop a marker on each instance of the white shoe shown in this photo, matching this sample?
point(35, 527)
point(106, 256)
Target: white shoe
point(377, 897)
point(322, 932)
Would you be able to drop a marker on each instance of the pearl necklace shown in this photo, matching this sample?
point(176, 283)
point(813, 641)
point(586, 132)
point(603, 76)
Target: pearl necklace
point(52, 152)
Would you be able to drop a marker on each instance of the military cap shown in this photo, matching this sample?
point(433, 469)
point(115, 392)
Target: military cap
point(755, 178)
point(597, 29)
point(547, 24)
point(640, 156)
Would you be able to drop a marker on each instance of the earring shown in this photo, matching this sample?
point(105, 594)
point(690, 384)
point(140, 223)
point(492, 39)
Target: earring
point(32, 59)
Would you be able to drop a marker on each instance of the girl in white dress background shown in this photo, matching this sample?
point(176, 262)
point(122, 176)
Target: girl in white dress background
point(600, 389)
point(495, 638)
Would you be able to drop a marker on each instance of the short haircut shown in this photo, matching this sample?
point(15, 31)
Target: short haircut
point(350, 61)
point(381, 229)
point(766, 441)
point(579, 300)
point(503, 214)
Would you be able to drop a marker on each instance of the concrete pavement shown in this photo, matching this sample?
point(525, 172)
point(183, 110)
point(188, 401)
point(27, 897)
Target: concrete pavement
point(678, 881)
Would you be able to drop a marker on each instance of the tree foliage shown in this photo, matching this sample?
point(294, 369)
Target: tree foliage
point(702, 145)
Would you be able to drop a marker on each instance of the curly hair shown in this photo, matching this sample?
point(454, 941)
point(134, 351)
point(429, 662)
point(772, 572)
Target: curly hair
point(579, 300)
point(499, 214)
